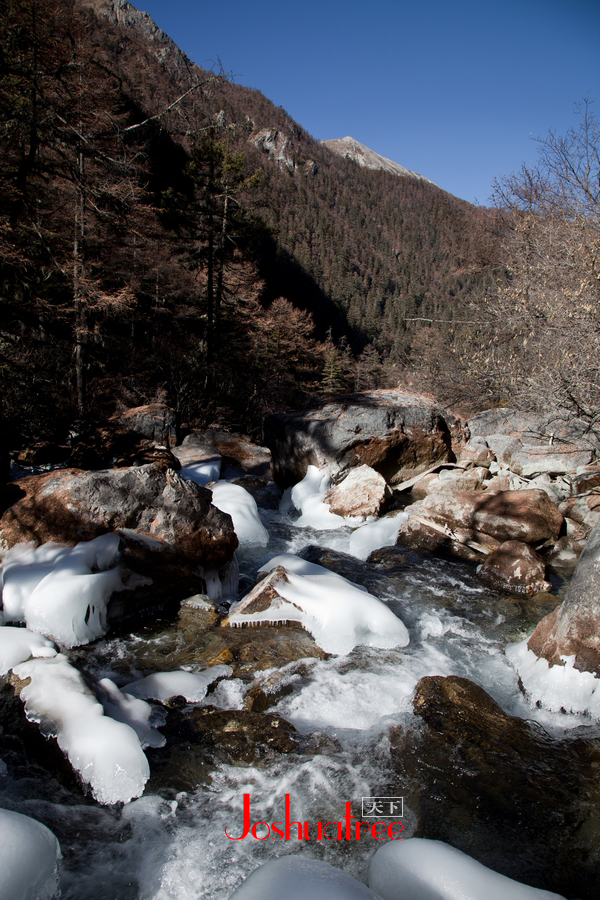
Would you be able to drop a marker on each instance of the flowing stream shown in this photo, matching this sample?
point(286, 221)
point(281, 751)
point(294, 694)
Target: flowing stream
point(174, 846)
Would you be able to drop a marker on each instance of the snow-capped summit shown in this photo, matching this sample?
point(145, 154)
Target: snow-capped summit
point(368, 158)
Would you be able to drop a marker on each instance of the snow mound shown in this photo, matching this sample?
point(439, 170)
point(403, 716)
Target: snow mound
point(29, 855)
point(106, 753)
point(61, 591)
point(293, 563)
point(139, 715)
point(307, 496)
point(19, 644)
point(556, 688)
point(338, 614)
point(298, 877)
point(373, 535)
point(241, 506)
point(190, 685)
point(202, 472)
point(420, 869)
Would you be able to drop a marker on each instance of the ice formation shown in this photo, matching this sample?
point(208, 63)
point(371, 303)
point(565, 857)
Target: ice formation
point(241, 506)
point(299, 878)
point(62, 591)
point(373, 535)
point(106, 753)
point(29, 855)
point(139, 715)
point(337, 613)
point(307, 496)
point(190, 685)
point(19, 644)
point(420, 869)
point(555, 687)
point(202, 472)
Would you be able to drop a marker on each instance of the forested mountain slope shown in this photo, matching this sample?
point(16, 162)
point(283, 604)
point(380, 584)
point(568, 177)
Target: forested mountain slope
point(167, 233)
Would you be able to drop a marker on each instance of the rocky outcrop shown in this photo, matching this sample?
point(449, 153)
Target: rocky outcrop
point(574, 628)
point(396, 433)
point(363, 492)
point(71, 506)
point(514, 566)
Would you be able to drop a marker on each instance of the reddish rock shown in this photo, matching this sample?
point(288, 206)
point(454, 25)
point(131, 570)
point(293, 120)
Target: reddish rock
point(72, 505)
point(574, 627)
point(363, 492)
point(528, 515)
point(515, 567)
point(419, 532)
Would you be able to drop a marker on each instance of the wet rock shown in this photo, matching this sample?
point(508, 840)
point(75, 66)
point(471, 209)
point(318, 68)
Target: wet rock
point(155, 421)
point(200, 738)
point(71, 505)
point(266, 493)
point(396, 433)
point(493, 786)
point(363, 492)
point(574, 628)
point(515, 567)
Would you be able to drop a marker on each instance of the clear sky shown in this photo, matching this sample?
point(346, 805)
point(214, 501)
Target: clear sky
point(453, 89)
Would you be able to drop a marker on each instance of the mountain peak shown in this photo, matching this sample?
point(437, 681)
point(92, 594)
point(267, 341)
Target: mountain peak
point(353, 149)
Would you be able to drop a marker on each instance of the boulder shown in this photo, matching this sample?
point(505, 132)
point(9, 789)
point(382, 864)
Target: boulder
point(515, 567)
point(424, 532)
point(363, 492)
point(476, 451)
point(396, 433)
point(494, 786)
point(527, 515)
point(196, 447)
point(583, 509)
point(242, 453)
point(71, 505)
point(574, 627)
point(155, 421)
point(586, 480)
point(555, 460)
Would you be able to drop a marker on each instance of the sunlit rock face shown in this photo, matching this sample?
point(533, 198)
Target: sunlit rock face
point(574, 628)
point(394, 432)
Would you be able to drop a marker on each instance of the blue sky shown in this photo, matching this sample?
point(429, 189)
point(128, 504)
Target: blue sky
point(453, 89)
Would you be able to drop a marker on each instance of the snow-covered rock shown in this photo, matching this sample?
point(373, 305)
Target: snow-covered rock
point(299, 878)
point(420, 869)
point(106, 753)
point(29, 855)
point(241, 506)
point(190, 685)
point(338, 614)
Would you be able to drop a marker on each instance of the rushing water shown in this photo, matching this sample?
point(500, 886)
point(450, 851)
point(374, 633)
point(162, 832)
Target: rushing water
point(174, 846)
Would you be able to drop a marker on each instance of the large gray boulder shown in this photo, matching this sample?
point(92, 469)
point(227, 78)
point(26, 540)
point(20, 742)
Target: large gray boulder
point(71, 505)
point(396, 433)
point(574, 627)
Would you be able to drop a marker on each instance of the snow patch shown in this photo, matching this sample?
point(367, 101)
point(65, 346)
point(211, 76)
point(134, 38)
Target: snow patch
point(190, 685)
point(421, 869)
point(19, 644)
point(373, 535)
point(298, 877)
point(307, 496)
point(241, 506)
point(29, 855)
